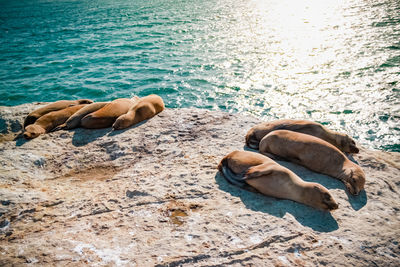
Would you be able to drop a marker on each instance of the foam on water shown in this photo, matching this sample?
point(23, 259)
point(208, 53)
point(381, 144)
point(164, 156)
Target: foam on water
point(336, 62)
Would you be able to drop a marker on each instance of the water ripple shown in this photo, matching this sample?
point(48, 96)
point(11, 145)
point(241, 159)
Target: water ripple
point(336, 62)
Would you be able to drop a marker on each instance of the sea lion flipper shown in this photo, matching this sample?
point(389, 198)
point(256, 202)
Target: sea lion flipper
point(258, 170)
point(60, 127)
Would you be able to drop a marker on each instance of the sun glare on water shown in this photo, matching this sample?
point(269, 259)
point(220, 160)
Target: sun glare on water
point(305, 59)
point(290, 52)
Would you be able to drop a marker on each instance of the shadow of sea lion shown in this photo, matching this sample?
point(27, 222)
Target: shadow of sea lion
point(357, 202)
point(84, 136)
point(116, 132)
point(20, 140)
point(317, 220)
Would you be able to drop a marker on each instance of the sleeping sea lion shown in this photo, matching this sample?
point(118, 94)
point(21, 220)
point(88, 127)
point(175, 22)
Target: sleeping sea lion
point(145, 108)
point(36, 114)
point(340, 140)
point(272, 179)
point(75, 120)
point(48, 122)
point(315, 154)
point(107, 115)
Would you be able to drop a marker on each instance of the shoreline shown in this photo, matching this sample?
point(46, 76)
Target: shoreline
point(15, 127)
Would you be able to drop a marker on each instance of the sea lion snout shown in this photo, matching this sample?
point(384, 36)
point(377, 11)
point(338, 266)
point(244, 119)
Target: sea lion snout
point(332, 205)
point(319, 197)
point(351, 188)
point(349, 145)
point(31, 135)
point(330, 201)
point(356, 181)
point(27, 135)
point(354, 149)
point(121, 123)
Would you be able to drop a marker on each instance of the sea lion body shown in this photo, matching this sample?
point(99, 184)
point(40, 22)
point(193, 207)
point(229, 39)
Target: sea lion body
point(106, 116)
point(145, 108)
point(58, 105)
point(272, 179)
point(75, 120)
point(315, 154)
point(48, 122)
point(340, 140)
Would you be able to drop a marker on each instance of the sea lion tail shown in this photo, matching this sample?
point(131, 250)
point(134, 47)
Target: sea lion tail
point(221, 164)
point(251, 140)
point(254, 144)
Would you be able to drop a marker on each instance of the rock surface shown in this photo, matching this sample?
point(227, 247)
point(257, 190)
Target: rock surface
point(151, 195)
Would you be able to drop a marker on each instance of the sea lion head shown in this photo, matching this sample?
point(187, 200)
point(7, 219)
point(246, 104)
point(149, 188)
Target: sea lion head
point(355, 181)
point(122, 122)
point(33, 131)
point(347, 144)
point(319, 197)
point(85, 101)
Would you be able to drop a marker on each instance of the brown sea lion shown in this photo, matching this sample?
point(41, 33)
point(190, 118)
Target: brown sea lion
point(75, 120)
point(106, 116)
point(145, 108)
point(272, 179)
point(340, 140)
point(315, 154)
point(48, 122)
point(61, 104)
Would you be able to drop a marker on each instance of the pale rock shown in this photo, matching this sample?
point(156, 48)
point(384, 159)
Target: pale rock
point(151, 195)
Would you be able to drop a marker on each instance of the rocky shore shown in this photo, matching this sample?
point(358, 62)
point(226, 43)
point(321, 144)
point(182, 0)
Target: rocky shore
point(151, 195)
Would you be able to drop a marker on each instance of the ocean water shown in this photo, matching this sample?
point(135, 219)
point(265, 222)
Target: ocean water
point(335, 62)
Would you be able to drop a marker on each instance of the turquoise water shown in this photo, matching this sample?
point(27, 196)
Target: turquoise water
point(336, 62)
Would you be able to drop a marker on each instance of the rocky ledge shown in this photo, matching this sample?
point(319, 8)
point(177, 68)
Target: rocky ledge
point(151, 195)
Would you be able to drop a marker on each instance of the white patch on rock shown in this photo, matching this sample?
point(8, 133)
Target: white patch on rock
point(284, 260)
point(297, 253)
point(107, 255)
point(255, 239)
point(189, 238)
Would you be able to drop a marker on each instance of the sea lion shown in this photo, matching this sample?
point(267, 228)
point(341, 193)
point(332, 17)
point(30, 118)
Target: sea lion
point(107, 115)
point(145, 108)
point(315, 154)
point(48, 122)
point(75, 120)
point(340, 140)
point(61, 104)
point(272, 179)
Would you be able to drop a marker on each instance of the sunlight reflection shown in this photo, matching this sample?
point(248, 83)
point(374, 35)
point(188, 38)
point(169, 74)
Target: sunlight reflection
point(291, 54)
